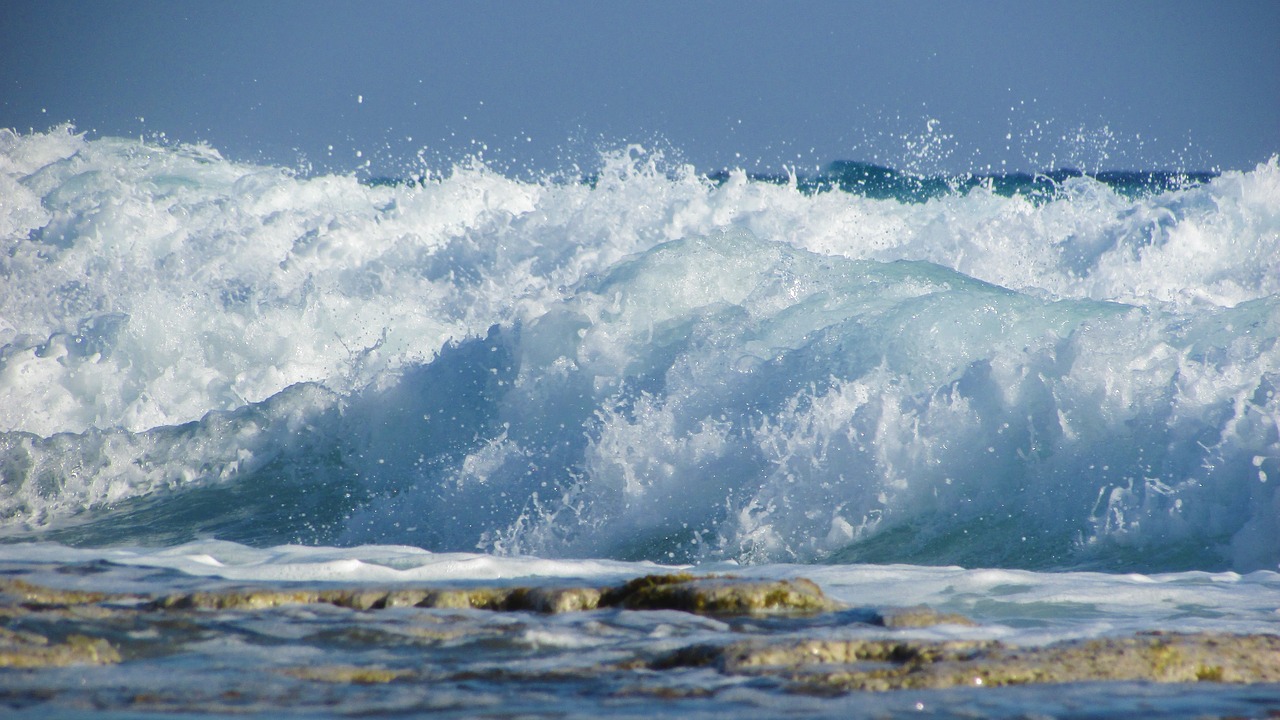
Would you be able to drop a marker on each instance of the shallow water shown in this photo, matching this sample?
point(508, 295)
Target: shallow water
point(480, 663)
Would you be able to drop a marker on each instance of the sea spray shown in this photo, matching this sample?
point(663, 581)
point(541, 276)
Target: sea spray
point(651, 364)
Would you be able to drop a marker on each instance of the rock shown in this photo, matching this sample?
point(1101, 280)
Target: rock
point(357, 599)
point(920, 616)
point(48, 627)
point(20, 638)
point(719, 595)
point(38, 596)
point(542, 600)
point(555, 600)
point(346, 674)
point(848, 665)
point(811, 656)
point(1158, 657)
point(404, 598)
point(237, 599)
point(705, 595)
point(30, 650)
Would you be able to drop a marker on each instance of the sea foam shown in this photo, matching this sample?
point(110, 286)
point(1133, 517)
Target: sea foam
point(647, 365)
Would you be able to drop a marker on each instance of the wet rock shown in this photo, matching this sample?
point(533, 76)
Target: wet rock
point(261, 599)
point(37, 596)
point(543, 600)
point(705, 595)
point(357, 599)
point(719, 595)
point(403, 598)
point(1160, 657)
point(555, 600)
point(237, 599)
point(919, 616)
point(538, 599)
point(346, 674)
point(812, 656)
point(848, 665)
point(19, 638)
point(31, 650)
point(48, 627)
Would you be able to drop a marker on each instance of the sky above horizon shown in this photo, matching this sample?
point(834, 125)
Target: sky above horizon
point(385, 88)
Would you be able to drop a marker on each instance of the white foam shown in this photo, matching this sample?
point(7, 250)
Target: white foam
point(1017, 606)
point(363, 564)
point(148, 285)
point(680, 369)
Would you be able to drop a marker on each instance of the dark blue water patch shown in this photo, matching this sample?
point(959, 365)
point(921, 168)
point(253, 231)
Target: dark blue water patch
point(884, 183)
point(880, 182)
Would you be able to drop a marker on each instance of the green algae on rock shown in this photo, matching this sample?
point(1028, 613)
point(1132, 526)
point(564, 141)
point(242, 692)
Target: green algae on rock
point(719, 595)
point(345, 674)
point(879, 665)
point(30, 650)
point(543, 600)
point(696, 594)
point(50, 627)
point(918, 616)
point(34, 596)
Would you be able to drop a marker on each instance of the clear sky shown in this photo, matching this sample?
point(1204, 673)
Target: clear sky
point(1014, 85)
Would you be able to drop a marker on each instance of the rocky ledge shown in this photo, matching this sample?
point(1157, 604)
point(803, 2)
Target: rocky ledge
point(51, 627)
point(850, 665)
point(705, 595)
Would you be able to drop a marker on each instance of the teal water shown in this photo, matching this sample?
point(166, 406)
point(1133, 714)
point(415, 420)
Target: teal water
point(961, 392)
point(1050, 371)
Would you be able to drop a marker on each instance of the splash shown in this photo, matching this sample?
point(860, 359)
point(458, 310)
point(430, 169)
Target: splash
point(653, 364)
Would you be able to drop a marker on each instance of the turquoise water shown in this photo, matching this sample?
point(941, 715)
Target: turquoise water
point(822, 376)
point(1044, 372)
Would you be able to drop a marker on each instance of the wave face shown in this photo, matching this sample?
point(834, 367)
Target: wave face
point(652, 364)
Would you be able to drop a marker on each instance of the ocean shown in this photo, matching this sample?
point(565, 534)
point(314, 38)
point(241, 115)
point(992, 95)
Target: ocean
point(1049, 402)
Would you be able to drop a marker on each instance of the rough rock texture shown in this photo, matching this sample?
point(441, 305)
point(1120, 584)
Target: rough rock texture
point(50, 627)
point(34, 596)
point(719, 596)
point(902, 664)
point(345, 674)
point(30, 650)
point(704, 595)
point(920, 616)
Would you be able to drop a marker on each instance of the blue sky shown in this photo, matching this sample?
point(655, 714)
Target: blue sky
point(926, 86)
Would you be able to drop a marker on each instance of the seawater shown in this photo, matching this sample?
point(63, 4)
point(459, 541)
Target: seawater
point(1044, 372)
point(1046, 401)
point(486, 664)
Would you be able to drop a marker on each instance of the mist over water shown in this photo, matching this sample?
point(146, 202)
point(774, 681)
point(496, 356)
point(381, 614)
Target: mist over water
point(1040, 372)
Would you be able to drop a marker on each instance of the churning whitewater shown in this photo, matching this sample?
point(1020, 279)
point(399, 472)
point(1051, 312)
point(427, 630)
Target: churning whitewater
point(644, 364)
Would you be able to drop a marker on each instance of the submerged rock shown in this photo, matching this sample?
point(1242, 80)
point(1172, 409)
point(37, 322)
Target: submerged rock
point(345, 674)
point(34, 596)
point(919, 616)
point(30, 650)
point(48, 627)
point(914, 664)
